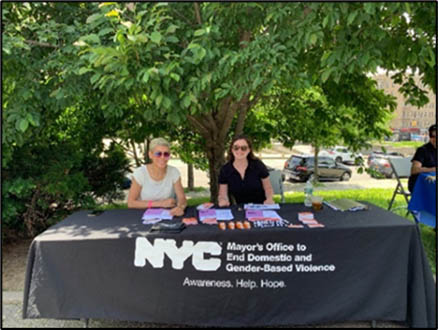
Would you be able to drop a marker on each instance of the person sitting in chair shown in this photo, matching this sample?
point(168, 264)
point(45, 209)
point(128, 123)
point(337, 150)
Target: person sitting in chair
point(244, 176)
point(156, 184)
point(424, 159)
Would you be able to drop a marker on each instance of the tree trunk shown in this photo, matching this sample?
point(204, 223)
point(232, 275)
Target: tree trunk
point(134, 152)
point(190, 177)
point(243, 110)
point(146, 151)
point(216, 158)
point(315, 171)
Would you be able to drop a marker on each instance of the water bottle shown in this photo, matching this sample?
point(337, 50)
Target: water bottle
point(308, 191)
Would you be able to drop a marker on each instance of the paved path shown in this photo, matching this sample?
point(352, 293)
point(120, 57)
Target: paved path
point(357, 181)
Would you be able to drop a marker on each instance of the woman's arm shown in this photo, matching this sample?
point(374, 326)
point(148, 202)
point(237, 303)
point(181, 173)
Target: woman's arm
point(134, 203)
point(181, 198)
point(223, 195)
point(417, 168)
point(269, 192)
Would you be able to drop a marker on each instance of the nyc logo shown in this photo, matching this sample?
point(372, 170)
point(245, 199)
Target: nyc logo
point(154, 253)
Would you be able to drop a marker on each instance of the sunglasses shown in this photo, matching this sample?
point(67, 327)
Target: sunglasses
point(432, 136)
point(243, 148)
point(165, 154)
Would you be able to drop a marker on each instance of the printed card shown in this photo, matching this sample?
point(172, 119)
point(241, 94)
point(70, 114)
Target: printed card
point(206, 214)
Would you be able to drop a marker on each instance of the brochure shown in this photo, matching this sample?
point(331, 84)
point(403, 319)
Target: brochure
point(205, 206)
point(218, 214)
point(207, 214)
point(224, 214)
point(254, 215)
point(261, 206)
point(161, 214)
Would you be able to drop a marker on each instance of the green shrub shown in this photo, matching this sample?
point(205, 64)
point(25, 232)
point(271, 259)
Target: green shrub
point(42, 184)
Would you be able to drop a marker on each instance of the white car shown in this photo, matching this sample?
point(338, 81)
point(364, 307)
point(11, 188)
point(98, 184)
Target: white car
point(341, 154)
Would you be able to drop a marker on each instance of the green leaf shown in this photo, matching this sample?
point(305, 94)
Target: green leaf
point(172, 39)
point(369, 8)
point(193, 45)
point(92, 37)
point(174, 76)
point(325, 21)
point(94, 78)
point(158, 100)
point(105, 31)
point(145, 77)
point(326, 74)
point(83, 70)
point(351, 17)
point(172, 28)
point(156, 37)
point(167, 103)
point(199, 32)
point(23, 124)
point(186, 101)
point(92, 18)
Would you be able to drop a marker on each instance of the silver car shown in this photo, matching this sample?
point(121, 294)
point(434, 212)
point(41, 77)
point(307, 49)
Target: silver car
point(378, 162)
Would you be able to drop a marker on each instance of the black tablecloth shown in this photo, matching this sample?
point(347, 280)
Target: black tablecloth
point(366, 265)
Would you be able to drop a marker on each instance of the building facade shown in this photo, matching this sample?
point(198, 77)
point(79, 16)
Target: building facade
point(407, 116)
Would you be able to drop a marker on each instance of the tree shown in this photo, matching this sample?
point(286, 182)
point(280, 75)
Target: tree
point(324, 119)
point(209, 63)
point(202, 64)
point(54, 159)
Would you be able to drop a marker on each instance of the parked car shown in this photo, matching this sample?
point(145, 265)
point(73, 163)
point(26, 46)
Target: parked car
point(379, 162)
point(341, 154)
point(301, 167)
point(380, 154)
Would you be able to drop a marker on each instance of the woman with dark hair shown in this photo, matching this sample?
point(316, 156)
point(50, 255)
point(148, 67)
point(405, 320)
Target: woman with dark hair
point(244, 176)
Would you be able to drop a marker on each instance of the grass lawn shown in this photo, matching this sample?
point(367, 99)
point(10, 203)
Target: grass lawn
point(401, 144)
point(379, 197)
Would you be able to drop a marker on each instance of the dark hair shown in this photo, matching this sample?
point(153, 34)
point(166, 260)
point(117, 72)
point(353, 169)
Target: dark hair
point(431, 129)
point(250, 156)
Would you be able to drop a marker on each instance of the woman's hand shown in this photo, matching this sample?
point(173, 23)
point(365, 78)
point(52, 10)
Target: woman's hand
point(177, 211)
point(223, 202)
point(168, 203)
point(269, 201)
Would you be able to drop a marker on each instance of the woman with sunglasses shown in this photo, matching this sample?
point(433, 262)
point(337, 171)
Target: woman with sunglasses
point(155, 184)
point(244, 176)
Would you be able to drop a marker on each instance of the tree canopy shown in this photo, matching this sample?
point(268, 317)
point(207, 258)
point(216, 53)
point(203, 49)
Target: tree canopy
point(198, 71)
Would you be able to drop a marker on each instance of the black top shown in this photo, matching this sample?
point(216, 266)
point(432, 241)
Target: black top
point(426, 155)
point(250, 189)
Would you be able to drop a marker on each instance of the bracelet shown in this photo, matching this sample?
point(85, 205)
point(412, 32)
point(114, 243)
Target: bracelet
point(149, 204)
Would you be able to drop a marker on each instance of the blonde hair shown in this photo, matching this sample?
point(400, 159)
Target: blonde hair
point(158, 142)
